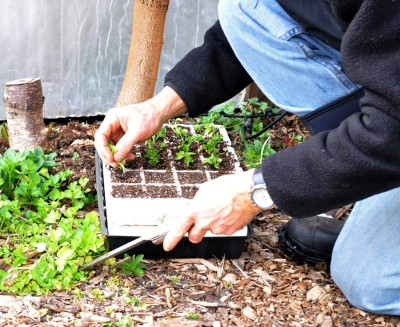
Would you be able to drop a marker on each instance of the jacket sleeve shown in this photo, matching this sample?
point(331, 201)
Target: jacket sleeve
point(209, 74)
point(361, 157)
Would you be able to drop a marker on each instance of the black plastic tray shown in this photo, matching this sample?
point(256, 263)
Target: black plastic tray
point(230, 247)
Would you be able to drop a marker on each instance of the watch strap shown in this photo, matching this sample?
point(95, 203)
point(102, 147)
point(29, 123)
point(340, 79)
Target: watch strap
point(258, 177)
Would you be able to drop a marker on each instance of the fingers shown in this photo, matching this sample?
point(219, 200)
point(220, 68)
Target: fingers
point(130, 156)
point(103, 135)
point(101, 144)
point(197, 232)
point(176, 234)
point(125, 144)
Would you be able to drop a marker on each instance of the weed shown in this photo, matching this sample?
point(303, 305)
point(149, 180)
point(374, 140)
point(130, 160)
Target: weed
point(132, 300)
point(75, 156)
point(134, 265)
point(98, 294)
point(174, 279)
point(192, 315)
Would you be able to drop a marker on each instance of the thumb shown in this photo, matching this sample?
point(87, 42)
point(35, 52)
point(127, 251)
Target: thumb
point(125, 145)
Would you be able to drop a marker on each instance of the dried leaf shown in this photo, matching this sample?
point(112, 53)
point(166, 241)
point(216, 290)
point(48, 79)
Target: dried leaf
point(249, 313)
point(315, 293)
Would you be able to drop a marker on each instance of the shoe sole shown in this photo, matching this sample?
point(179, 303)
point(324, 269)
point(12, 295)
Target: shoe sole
point(300, 253)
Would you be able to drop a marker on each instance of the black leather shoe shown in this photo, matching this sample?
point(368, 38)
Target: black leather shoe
point(309, 240)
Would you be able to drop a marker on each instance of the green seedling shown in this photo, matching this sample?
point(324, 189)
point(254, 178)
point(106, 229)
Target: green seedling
point(213, 160)
point(134, 266)
point(152, 152)
point(186, 156)
point(160, 135)
point(125, 321)
point(121, 164)
point(181, 132)
point(211, 146)
point(192, 315)
point(174, 279)
point(132, 300)
point(98, 294)
point(75, 156)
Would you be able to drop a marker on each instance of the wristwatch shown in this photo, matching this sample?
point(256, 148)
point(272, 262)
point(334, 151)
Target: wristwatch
point(258, 192)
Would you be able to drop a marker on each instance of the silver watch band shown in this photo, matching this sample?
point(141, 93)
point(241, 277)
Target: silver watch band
point(258, 177)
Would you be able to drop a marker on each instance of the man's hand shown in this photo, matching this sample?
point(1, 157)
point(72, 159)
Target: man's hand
point(126, 126)
point(221, 206)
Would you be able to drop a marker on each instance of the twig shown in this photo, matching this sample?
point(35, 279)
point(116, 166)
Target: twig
point(63, 309)
point(240, 269)
point(168, 296)
point(209, 304)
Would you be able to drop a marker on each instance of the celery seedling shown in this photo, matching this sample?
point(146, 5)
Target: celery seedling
point(187, 156)
point(121, 164)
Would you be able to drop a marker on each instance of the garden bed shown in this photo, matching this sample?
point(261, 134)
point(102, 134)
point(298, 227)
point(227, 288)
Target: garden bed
point(262, 288)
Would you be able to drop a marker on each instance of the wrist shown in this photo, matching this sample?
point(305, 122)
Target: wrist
point(258, 193)
point(168, 104)
point(246, 183)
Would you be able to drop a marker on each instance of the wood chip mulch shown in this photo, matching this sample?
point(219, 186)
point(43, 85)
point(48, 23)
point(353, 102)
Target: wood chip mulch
point(261, 288)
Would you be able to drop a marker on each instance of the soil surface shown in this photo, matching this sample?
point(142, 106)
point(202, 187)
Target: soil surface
point(145, 178)
point(262, 288)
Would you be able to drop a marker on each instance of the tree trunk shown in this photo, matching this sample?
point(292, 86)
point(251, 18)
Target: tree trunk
point(145, 51)
point(23, 101)
point(254, 91)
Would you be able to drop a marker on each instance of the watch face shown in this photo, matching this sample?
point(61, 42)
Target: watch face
point(261, 198)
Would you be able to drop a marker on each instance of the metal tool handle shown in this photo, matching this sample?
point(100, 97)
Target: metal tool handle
point(124, 248)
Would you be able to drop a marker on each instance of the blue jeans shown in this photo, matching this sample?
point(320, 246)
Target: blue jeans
point(300, 74)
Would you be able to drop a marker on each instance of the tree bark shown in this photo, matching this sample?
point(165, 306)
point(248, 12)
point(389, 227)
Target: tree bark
point(145, 51)
point(254, 91)
point(23, 101)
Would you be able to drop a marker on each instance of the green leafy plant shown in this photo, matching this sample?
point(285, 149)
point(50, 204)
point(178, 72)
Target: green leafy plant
point(213, 160)
point(255, 152)
point(174, 279)
point(160, 135)
point(182, 133)
point(153, 151)
point(98, 294)
point(121, 164)
point(134, 301)
point(75, 156)
point(186, 156)
point(38, 209)
point(192, 315)
point(134, 266)
point(125, 321)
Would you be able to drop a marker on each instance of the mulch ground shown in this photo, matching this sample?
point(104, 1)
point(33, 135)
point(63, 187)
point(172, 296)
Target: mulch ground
point(262, 288)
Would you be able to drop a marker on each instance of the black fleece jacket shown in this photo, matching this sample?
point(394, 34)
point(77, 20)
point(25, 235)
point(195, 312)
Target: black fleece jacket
point(356, 160)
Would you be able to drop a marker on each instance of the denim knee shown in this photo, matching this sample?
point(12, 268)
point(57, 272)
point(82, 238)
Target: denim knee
point(365, 286)
point(227, 11)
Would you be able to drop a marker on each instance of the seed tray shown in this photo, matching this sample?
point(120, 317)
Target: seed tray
point(143, 198)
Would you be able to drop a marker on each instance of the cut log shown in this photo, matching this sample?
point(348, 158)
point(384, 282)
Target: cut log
point(145, 51)
point(23, 101)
